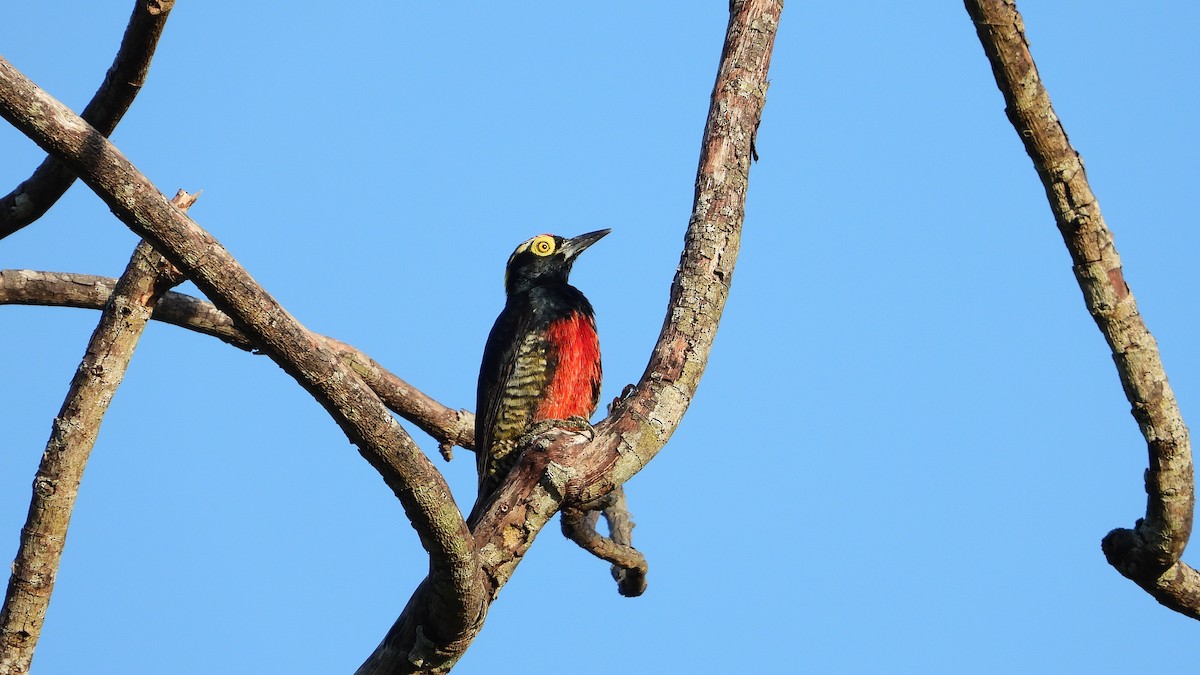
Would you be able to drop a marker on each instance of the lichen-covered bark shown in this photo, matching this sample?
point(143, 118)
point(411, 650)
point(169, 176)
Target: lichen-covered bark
point(562, 466)
point(1149, 553)
point(72, 437)
point(467, 569)
point(454, 571)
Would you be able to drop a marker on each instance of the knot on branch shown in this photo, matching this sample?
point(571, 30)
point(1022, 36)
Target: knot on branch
point(1141, 554)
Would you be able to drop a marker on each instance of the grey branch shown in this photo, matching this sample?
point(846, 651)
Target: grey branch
point(1149, 553)
point(62, 289)
point(32, 198)
point(72, 437)
point(564, 467)
point(88, 291)
point(457, 599)
point(467, 569)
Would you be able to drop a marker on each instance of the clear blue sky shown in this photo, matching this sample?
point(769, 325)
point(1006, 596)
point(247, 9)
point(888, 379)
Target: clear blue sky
point(910, 438)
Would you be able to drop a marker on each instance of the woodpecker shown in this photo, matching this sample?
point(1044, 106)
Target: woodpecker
point(542, 358)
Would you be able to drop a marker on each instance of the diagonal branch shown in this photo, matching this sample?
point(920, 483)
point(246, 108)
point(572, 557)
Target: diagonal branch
point(28, 287)
point(1149, 553)
point(72, 437)
point(32, 198)
point(457, 591)
point(567, 467)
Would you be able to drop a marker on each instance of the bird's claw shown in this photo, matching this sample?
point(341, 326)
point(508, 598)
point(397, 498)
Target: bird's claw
point(575, 423)
point(619, 402)
point(580, 425)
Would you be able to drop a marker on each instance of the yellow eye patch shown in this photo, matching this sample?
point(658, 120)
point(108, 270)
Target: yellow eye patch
point(542, 245)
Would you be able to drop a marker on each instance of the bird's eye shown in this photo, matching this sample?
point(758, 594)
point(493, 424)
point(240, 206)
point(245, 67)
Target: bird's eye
point(543, 245)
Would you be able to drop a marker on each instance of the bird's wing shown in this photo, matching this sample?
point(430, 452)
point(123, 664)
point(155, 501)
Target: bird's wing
point(511, 341)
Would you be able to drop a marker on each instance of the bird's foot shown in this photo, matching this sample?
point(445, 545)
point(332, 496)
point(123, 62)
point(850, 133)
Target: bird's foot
point(578, 424)
point(574, 423)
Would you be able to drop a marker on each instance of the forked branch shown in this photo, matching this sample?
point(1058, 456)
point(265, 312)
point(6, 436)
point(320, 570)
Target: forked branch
point(1149, 553)
point(629, 566)
point(422, 490)
point(468, 569)
point(32, 198)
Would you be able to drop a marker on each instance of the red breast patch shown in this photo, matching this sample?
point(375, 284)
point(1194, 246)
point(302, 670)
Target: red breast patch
point(575, 385)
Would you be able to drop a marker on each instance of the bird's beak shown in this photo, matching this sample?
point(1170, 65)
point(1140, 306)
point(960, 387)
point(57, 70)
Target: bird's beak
point(573, 247)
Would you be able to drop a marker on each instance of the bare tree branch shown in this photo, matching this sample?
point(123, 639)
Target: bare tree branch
point(629, 575)
point(579, 525)
point(32, 198)
point(1149, 553)
point(628, 565)
point(456, 598)
point(568, 467)
point(632, 437)
point(446, 611)
point(448, 426)
point(28, 287)
point(72, 437)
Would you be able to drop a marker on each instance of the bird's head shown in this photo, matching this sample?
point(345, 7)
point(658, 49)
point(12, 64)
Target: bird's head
point(545, 259)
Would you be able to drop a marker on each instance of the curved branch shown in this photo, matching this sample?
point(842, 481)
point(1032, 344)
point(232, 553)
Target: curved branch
point(63, 289)
point(573, 468)
point(647, 417)
point(628, 564)
point(456, 589)
point(124, 79)
point(1149, 553)
point(629, 574)
point(72, 437)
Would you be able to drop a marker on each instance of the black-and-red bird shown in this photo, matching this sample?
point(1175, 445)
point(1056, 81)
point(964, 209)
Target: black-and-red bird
point(542, 358)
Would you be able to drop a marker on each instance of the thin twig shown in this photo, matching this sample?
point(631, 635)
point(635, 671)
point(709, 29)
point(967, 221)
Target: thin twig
point(1149, 553)
point(448, 426)
point(72, 436)
point(579, 525)
point(124, 79)
point(628, 564)
point(631, 579)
